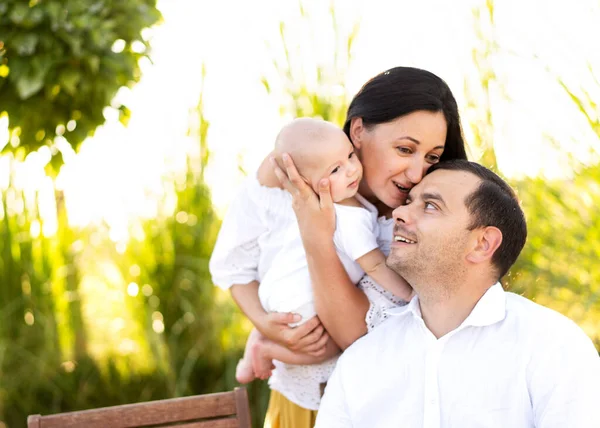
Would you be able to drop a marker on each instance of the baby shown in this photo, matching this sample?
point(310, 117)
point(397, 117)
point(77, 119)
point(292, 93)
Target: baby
point(319, 150)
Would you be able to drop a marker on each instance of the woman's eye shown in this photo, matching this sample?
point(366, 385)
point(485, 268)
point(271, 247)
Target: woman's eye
point(404, 150)
point(336, 169)
point(434, 159)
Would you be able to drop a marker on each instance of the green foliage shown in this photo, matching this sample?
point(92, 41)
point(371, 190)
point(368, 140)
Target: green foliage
point(313, 89)
point(558, 267)
point(479, 90)
point(103, 323)
point(58, 67)
point(559, 264)
point(63, 295)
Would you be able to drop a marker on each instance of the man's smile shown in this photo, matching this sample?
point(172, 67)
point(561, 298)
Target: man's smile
point(402, 236)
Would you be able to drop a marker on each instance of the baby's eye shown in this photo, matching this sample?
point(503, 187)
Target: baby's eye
point(350, 155)
point(336, 169)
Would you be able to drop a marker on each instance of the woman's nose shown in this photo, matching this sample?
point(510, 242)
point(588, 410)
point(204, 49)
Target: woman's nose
point(416, 171)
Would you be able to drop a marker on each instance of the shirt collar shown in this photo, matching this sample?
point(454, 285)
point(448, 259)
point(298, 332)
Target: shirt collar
point(490, 309)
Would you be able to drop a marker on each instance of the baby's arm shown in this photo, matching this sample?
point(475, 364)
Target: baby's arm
point(373, 263)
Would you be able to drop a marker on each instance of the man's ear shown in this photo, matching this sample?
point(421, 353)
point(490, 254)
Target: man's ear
point(357, 129)
point(487, 241)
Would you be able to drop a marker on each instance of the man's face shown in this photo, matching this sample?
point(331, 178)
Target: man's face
point(431, 236)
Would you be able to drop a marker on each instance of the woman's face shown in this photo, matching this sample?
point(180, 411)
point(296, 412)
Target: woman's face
point(395, 155)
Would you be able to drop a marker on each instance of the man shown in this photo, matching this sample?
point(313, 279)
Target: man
point(463, 352)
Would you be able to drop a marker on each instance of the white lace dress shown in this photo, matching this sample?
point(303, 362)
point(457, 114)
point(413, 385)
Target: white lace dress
point(379, 298)
point(251, 246)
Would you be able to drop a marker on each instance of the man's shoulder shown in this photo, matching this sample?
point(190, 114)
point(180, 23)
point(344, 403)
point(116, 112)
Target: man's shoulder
point(378, 339)
point(542, 322)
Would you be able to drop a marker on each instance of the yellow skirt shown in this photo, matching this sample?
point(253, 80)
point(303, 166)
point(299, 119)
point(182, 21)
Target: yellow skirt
point(282, 413)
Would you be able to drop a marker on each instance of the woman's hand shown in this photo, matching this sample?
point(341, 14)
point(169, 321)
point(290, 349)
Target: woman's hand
point(308, 338)
point(339, 303)
point(315, 214)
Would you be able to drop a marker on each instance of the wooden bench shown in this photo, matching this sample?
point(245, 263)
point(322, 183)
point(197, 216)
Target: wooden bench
point(220, 410)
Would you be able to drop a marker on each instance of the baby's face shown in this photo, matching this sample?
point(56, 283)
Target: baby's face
point(337, 161)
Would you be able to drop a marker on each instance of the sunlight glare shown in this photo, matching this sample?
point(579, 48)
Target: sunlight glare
point(118, 46)
point(68, 366)
point(29, 318)
point(158, 326)
point(35, 229)
point(147, 290)
point(4, 134)
point(47, 207)
point(133, 289)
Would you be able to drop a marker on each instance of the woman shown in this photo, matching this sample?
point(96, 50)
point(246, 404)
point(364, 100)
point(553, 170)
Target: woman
point(401, 122)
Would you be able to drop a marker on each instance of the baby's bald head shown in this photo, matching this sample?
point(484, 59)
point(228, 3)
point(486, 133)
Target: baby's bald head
point(320, 150)
point(303, 139)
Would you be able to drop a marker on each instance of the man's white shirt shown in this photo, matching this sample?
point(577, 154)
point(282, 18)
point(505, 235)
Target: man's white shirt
point(511, 363)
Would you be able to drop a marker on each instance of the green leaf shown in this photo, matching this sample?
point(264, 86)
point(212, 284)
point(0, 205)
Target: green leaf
point(124, 115)
point(93, 63)
point(33, 18)
point(30, 82)
point(25, 43)
point(19, 13)
point(29, 85)
point(265, 83)
point(69, 79)
point(61, 62)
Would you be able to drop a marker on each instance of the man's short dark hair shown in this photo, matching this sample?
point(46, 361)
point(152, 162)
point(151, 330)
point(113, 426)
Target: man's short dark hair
point(493, 203)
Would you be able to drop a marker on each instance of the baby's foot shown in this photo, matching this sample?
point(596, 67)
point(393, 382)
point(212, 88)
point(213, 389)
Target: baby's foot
point(261, 362)
point(244, 372)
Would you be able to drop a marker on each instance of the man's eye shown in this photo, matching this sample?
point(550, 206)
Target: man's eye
point(336, 169)
point(430, 206)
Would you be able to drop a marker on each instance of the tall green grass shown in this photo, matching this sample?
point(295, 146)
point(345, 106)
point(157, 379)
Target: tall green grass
point(87, 322)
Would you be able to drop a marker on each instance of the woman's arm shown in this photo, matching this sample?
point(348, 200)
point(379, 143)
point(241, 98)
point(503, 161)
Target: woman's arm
point(309, 338)
point(234, 265)
point(341, 306)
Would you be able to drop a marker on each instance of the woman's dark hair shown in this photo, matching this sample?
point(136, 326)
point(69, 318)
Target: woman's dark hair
point(402, 90)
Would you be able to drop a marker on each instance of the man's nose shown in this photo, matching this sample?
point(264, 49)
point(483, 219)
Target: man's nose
point(402, 214)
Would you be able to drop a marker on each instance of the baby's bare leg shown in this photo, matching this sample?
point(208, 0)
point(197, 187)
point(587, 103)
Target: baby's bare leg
point(244, 373)
point(264, 351)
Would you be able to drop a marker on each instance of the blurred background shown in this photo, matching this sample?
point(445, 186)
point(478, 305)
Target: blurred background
point(125, 128)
